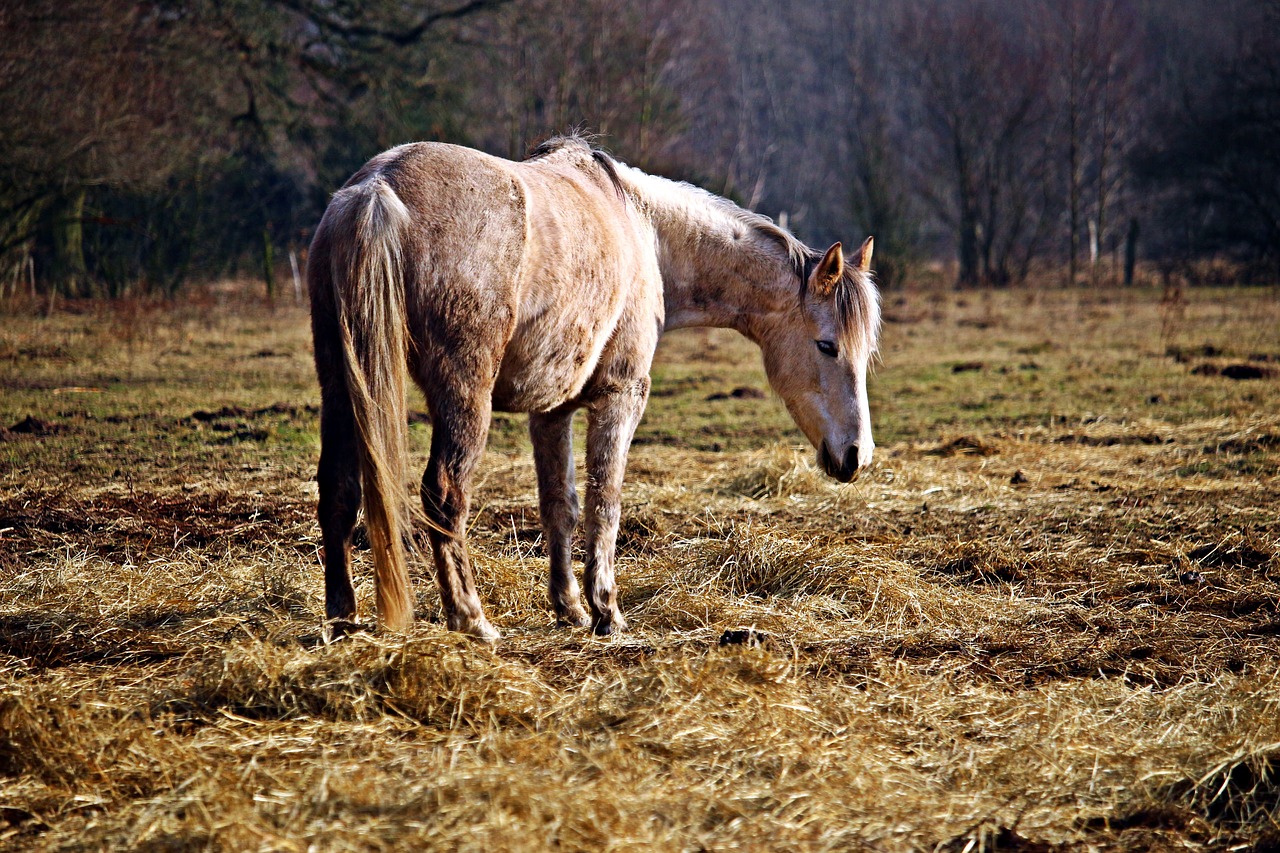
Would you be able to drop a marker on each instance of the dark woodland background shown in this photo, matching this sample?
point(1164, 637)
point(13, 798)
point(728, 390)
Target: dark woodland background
point(145, 145)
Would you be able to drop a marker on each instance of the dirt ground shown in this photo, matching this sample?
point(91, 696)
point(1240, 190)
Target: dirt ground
point(1047, 619)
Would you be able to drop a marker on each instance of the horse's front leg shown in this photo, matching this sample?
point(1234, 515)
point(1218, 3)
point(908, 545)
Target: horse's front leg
point(612, 423)
point(552, 436)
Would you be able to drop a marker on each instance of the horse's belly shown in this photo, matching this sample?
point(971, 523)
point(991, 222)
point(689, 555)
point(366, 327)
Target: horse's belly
point(544, 369)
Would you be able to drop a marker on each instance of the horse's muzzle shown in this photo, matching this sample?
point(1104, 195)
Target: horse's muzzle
point(843, 470)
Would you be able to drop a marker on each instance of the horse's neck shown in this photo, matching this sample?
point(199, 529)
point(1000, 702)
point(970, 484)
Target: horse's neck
point(716, 270)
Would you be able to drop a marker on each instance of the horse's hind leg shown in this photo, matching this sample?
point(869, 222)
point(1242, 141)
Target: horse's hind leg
point(552, 436)
point(339, 481)
point(460, 428)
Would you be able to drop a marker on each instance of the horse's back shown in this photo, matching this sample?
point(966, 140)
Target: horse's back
point(519, 272)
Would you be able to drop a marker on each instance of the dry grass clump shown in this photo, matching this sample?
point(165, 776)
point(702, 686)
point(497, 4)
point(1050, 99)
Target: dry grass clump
point(430, 680)
point(965, 445)
point(46, 739)
point(745, 559)
point(779, 472)
point(992, 562)
point(821, 588)
point(942, 656)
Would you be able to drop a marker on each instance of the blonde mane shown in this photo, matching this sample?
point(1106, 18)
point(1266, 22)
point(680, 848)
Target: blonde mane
point(857, 301)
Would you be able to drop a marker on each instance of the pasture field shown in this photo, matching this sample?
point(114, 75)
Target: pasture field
point(1047, 619)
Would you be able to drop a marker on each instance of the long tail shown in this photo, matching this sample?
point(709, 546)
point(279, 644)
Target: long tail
point(367, 264)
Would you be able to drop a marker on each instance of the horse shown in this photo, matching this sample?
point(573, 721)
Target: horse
point(542, 286)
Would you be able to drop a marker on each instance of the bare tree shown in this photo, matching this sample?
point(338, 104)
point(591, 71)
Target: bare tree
point(1093, 53)
point(980, 74)
point(605, 66)
point(90, 96)
point(1213, 171)
point(102, 105)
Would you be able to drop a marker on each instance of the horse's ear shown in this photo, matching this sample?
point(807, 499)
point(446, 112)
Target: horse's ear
point(822, 281)
point(862, 260)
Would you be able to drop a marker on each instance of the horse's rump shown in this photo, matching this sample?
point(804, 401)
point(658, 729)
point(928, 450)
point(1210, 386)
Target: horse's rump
point(519, 271)
point(356, 278)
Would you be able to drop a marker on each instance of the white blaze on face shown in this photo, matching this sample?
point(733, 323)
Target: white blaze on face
point(820, 370)
point(845, 443)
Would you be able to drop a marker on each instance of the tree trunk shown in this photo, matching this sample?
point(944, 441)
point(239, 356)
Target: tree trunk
point(69, 274)
point(970, 261)
point(268, 265)
point(970, 266)
point(1130, 251)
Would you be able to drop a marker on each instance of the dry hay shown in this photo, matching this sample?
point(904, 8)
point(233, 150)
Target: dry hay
point(940, 656)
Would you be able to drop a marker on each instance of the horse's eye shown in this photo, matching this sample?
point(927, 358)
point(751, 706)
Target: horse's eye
point(828, 348)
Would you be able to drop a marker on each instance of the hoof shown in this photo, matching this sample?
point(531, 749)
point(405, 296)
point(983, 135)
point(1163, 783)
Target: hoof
point(336, 629)
point(745, 637)
point(486, 633)
point(572, 617)
point(610, 626)
point(478, 628)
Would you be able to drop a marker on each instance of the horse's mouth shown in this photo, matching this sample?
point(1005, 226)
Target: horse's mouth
point(845, 471)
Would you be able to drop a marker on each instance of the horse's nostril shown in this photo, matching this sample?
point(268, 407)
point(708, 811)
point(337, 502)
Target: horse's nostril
point(851, 458)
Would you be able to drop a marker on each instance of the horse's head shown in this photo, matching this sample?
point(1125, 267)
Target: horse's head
point(817, 358)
